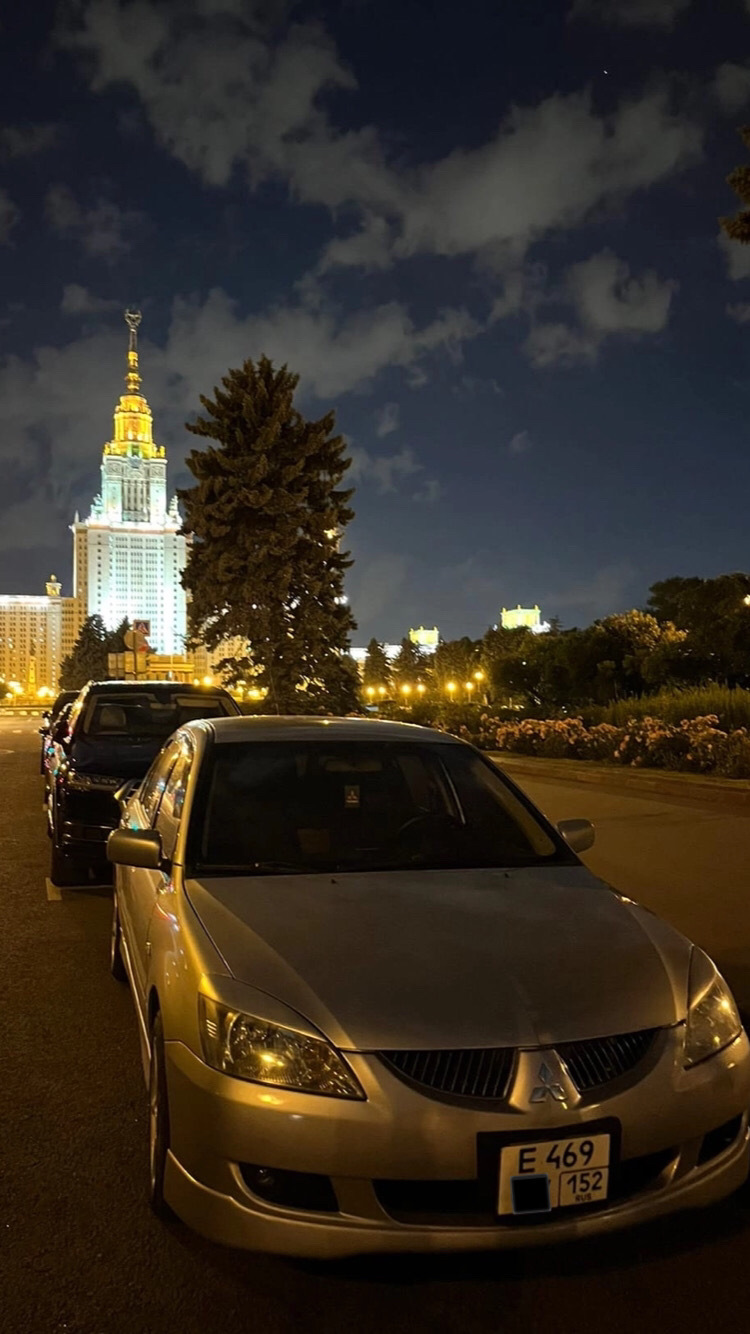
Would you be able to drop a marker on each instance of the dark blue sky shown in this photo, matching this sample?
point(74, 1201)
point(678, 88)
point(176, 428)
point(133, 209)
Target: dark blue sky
point(487, 234)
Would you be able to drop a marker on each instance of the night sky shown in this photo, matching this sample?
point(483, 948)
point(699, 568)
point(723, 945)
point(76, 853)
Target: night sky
point(486, 233)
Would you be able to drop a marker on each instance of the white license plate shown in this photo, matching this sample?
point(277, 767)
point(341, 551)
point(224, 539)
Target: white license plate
point(552, 1174)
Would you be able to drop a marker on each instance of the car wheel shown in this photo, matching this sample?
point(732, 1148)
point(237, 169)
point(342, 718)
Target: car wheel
point(64, 870)
point(116, 961)
point(158, 1122)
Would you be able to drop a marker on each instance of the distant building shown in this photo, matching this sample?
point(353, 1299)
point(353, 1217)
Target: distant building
point(129, 554)
point(35, 635)
point(427, 640)
point(524, 618)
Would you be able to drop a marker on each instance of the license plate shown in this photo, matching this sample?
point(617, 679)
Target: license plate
point(553, 1174)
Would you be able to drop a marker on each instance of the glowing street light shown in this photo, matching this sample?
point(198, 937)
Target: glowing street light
point(421, 687)
point(469, 685)
point(479, 676)
point(382, 690)
point(406, 690)
point(451, 688)
point(370, 692)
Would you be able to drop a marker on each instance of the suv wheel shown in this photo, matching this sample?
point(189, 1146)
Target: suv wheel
point(65, 870)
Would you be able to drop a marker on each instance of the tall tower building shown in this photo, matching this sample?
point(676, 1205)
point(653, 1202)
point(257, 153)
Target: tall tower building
point(128, 555)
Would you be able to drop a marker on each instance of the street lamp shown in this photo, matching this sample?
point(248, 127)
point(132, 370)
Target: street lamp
point(469, 687)
point(479, 676)
point(406, 690)
point(451, 688)
point(370, 692)
point(382, 691)
point(421, 687)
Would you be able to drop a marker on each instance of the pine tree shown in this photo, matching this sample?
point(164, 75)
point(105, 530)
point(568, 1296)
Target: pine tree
point(265, 571)
point(88, 659)
point(737, 228)
point(377, 669)
point(409, 664)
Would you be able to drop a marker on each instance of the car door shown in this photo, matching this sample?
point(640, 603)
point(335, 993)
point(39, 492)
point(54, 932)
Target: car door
point(148, 887)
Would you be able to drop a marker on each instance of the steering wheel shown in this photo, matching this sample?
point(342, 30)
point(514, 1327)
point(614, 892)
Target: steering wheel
point(433, 818)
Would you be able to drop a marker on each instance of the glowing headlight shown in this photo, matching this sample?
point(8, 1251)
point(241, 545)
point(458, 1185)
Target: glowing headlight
point(249, 1048)
point(713, 1019)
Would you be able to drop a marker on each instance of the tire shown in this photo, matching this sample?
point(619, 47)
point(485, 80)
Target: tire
point(64, 870)
point(158, 1122)
point(116, 962)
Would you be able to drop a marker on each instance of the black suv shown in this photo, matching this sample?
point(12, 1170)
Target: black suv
point(115, 729)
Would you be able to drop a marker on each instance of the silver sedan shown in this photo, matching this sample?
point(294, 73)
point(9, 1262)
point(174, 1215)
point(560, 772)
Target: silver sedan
point(384, 1007)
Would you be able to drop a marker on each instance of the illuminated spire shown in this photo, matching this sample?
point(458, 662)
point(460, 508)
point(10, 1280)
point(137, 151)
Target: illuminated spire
point(133, 425)
point(133, 379)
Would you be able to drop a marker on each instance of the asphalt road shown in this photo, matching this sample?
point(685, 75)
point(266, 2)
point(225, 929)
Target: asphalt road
point(79, 1250)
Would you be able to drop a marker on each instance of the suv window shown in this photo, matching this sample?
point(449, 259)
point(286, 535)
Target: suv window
point(148, 714)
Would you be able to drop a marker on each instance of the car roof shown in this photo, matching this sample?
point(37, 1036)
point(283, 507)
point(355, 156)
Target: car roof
point(269, 727)
point(185, 687)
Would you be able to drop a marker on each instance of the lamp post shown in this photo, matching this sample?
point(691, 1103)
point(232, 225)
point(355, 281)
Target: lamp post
point(451, 688)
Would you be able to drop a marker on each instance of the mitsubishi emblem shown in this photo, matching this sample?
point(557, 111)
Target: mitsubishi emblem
point(547, 1088)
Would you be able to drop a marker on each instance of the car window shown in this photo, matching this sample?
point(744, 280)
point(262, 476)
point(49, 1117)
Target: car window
point(155, 781)
point(364, 806)
point(148, 714)
point(169, 813)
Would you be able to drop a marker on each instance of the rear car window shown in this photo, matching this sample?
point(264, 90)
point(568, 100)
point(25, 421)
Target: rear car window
point(148, 714)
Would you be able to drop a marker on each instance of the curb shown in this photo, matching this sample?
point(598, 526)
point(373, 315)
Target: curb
point(695, 787)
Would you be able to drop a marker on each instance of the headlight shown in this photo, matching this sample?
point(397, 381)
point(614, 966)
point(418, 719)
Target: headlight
point(248, 1048)
point(91, 782)
point(713, 1019)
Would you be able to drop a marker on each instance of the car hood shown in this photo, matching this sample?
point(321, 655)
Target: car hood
point(425, 959)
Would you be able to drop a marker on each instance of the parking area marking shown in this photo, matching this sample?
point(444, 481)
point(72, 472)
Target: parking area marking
point(54, 895)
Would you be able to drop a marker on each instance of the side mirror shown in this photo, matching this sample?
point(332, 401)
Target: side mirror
point(135, 847)
point(126, 791)
point(578, 834)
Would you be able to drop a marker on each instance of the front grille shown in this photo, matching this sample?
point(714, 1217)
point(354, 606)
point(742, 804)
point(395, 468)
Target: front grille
point(477, 1073)
point(598, 1061)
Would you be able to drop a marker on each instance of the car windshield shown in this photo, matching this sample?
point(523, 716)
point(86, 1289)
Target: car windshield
point(285, 807)
point(147, 715)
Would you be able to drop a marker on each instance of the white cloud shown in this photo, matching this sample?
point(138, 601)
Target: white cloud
point(77, 300)
point(737, 256)
point(26, 140)
point(9, 216)
point(631, 13)
point(557, 344)
point(740, 312)
point(387, 419)
point(224, 92)
point(732, 86)
point(607, 301)
point(102, 230)
point(332, 354)
point(610, 301)
point(385, 470)
point(520, 443)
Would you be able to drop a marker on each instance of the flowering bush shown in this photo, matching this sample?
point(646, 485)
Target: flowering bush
point(695, 745)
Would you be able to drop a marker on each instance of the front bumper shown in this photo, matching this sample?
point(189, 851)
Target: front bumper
point(389, 1157)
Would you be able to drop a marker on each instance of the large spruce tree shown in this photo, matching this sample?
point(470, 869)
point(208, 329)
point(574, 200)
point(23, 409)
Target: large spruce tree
point(377, 669)
point(265, 570)
point(89, 657)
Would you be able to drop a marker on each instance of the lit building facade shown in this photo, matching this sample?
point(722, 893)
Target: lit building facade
point(128, 555)
point(523, 618)
point(35, 635)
